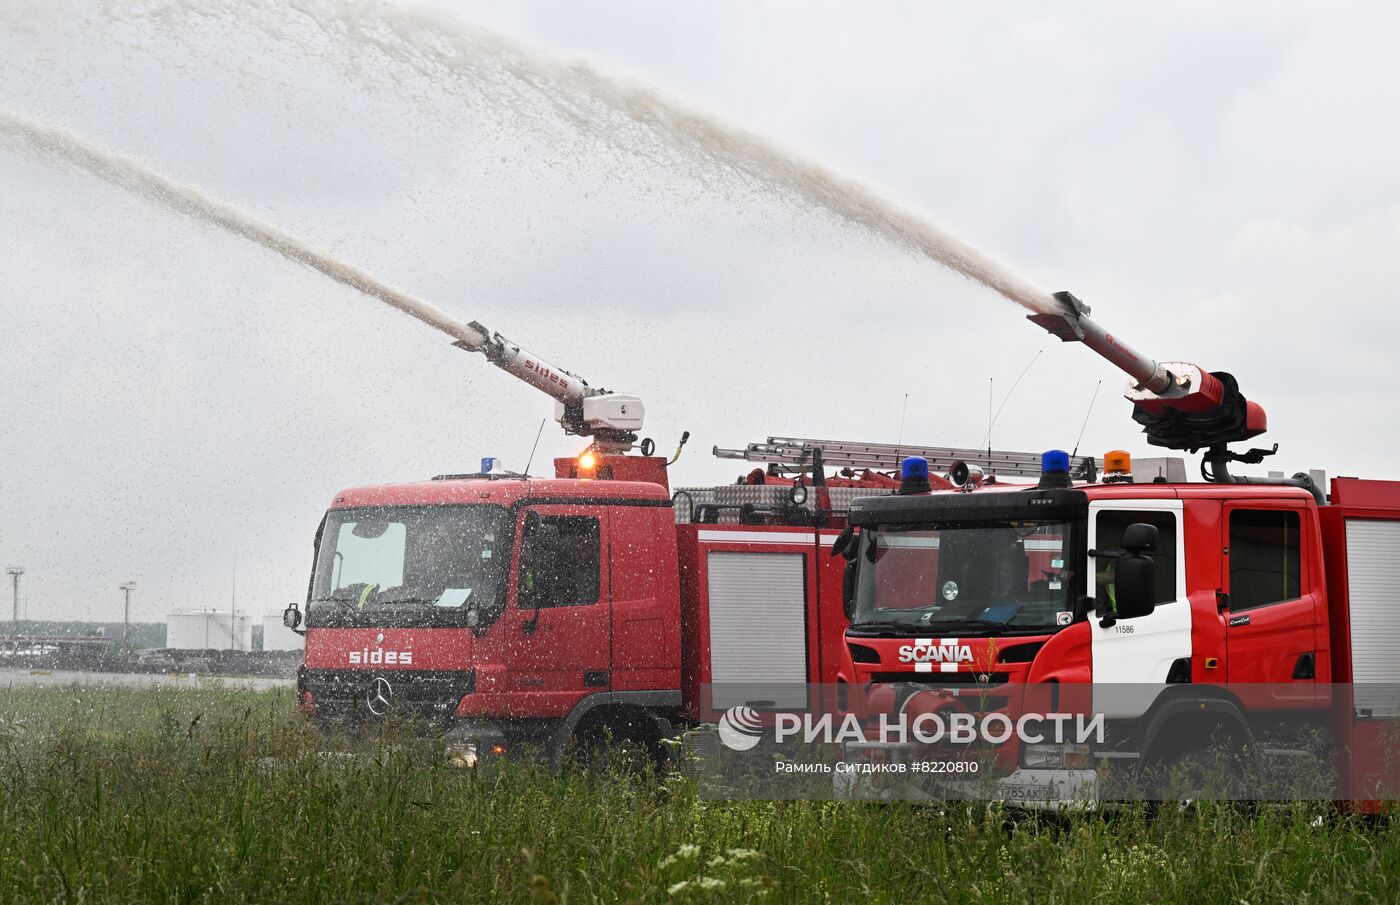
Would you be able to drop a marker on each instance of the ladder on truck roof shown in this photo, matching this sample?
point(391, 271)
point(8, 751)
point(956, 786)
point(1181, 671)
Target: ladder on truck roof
point(887, 456)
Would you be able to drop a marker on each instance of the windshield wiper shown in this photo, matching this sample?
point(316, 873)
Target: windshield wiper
point(959, 623)
point(410, 598)
point(920, 629)
point(1007, 627)
point(909, 627)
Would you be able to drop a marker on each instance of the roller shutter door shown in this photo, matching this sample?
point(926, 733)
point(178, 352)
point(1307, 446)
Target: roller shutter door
point(758, 628)
point(1373, 595)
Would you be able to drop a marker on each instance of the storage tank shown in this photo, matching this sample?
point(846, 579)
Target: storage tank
point(277, 636)
point(208, 630)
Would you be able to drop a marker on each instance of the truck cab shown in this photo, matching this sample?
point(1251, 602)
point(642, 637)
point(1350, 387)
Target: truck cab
point(1011, 590)
point(505, 610)
point(589, 610)
point(1237, 585)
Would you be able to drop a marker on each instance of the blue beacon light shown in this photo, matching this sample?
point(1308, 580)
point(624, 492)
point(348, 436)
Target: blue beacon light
point(913, 475)
point(1054, 469)
point(1054, 460)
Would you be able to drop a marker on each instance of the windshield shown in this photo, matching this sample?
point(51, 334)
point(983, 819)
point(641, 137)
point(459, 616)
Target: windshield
point(967, 578)
point(410, 566)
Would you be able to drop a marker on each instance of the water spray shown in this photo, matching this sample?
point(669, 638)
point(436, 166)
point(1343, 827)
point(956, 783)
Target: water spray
point(612, 418)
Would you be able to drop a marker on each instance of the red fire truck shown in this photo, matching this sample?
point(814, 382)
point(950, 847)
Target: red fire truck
point(514, 610)
point(1227, 605)
point(519, 610)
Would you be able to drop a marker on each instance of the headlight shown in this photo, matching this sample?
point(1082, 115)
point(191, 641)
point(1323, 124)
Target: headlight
point(1056, 757)
point(462, 754)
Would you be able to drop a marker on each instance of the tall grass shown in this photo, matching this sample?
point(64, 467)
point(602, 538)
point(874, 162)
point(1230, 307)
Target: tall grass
point(121, 795)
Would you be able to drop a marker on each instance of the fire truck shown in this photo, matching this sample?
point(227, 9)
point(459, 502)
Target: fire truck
point(517, 612)
point(1226, 605)
point(595, 605)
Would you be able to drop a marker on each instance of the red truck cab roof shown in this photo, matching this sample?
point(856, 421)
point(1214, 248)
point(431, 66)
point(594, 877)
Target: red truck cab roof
point(1191, 491)
point(1032, 501)
point(498, 491)
point(1149, 491)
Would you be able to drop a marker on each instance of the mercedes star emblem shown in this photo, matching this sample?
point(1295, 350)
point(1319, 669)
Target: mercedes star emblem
point(380, 697)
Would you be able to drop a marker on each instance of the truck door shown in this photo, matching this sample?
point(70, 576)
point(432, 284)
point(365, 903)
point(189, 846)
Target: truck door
point(1270, 613)
point(558, 615)
point(1138, 654)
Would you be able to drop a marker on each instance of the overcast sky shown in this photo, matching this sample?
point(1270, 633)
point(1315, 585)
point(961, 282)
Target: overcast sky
point(1217, 180)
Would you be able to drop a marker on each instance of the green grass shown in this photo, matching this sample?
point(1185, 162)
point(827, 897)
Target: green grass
point(119, 795)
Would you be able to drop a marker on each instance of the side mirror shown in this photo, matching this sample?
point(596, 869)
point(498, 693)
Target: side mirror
point(848, 590)
point(843, 542)
point(1083, 606)
point(291, 617)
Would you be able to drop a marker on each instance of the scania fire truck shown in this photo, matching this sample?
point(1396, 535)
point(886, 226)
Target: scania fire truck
point(1225, 606)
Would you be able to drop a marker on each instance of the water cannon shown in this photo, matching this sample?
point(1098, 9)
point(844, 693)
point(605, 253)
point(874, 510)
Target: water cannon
point(611, 419)
point(1179, 405)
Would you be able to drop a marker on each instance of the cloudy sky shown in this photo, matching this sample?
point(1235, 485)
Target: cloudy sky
point(1217, 180)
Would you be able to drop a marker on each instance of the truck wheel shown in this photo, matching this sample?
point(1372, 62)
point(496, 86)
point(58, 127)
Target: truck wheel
point(628, 743)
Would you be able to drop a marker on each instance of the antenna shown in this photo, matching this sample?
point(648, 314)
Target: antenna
point(991, 418)
point(531, 460)
point(900, 442)
point(1080, 438)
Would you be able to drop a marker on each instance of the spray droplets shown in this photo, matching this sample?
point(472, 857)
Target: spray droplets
point(420, 53)
point(130, 175)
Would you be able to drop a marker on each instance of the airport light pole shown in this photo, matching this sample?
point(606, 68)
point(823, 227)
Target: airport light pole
point(15, 572)
point(127, 587)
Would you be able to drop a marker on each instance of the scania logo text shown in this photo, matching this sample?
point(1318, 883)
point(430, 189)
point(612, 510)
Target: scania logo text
point(935, 653)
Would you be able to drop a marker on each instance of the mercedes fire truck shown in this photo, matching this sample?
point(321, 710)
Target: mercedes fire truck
point(514, 611)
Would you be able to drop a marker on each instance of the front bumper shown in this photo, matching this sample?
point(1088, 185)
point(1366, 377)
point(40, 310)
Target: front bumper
point(361, 696)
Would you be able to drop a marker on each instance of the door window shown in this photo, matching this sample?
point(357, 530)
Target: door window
point(559, 561)
point(1109, 538)
point(1265, 557)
